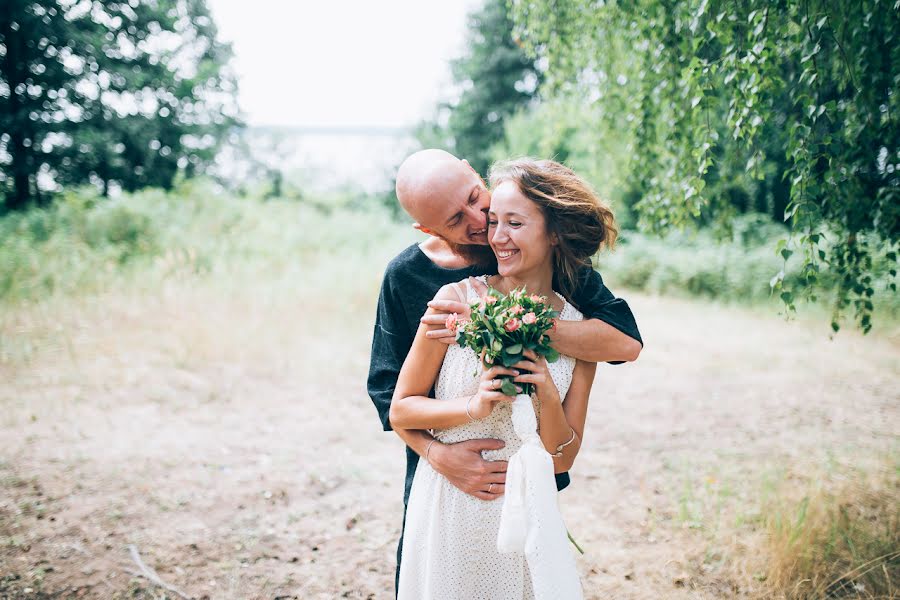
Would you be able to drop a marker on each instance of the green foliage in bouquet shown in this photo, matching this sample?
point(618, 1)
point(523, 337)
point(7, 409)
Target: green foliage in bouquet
point(501, 328)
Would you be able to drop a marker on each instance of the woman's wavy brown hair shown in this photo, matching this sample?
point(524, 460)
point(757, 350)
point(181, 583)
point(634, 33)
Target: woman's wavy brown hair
point(580, 222)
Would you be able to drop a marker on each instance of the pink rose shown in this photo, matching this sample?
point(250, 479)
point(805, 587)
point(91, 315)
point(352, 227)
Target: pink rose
point(451, 322)
point(536, 298)
point(529, 319)
point(512, 325)
point(516, 310)
point(490, 300)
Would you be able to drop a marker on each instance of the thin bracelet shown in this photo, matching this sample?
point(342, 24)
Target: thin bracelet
point(428, 449)
point(471, 418)
point(559, 448)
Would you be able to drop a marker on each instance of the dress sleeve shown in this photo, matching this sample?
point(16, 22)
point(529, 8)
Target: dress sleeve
point(390, 344)
point(595, 301)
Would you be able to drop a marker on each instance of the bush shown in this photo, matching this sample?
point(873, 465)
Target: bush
point(697, 264)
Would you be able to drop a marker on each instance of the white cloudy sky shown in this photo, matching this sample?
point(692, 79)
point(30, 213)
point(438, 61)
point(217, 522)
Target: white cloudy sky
point(344, 62)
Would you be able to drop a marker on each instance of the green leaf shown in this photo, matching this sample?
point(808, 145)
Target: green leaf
point(508, 388)
point(551, 355)
point(509, 360)
point(514, 349)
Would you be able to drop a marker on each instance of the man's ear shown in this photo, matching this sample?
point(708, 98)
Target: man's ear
point(424, 230)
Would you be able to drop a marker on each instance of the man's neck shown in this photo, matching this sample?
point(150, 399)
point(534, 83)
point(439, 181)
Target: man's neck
point(439, 252)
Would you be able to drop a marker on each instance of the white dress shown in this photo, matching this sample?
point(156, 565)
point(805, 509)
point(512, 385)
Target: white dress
point(450, 543)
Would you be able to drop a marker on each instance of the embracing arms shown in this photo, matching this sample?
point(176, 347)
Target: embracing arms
point(608, 332)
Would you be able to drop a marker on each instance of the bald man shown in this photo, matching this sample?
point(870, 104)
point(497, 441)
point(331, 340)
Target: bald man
point(449, 202)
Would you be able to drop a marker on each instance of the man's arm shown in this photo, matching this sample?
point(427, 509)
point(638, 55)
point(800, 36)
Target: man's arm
point(609, 332)
point(389, 348)
point(593, 340)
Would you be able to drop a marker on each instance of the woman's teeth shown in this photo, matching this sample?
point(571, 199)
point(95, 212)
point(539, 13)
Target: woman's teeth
point(506, 253)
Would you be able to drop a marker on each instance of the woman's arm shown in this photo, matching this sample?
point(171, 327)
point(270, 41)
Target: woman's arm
point(411, 408)
point(560, 419)
point(575, 414)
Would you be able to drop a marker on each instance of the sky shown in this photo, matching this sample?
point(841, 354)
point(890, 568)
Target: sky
point(344, 63)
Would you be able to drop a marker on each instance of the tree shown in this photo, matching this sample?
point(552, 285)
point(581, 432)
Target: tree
point(109, 92)
point(802, 95)
point(495, 77)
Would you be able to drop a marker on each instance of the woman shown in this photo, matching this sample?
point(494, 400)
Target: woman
point(544, 225)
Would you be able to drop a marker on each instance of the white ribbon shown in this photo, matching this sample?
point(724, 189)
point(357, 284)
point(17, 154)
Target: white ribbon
point(530, 521)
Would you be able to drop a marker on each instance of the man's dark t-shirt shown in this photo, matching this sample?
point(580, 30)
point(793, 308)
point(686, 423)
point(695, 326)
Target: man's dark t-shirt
point(411, 280)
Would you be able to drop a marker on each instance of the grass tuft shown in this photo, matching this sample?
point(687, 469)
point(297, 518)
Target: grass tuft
point(839, 539)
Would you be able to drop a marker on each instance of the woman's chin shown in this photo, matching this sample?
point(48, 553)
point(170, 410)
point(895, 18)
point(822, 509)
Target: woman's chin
point(506, 270)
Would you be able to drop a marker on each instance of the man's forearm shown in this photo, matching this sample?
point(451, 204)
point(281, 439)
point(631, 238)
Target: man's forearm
point(593, 340)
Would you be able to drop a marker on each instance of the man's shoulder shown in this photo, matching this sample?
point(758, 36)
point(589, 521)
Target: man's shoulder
point(409, 260)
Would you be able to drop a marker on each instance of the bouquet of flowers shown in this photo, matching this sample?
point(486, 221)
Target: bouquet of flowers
point(502, 327)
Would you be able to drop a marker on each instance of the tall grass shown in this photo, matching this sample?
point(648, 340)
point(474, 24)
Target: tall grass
point(246, 261)
point(84, 244)
point(837, 538)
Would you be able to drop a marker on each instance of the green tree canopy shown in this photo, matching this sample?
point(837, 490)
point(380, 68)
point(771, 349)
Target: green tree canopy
point(494, 77)
point(124, 92)
point(798, 96)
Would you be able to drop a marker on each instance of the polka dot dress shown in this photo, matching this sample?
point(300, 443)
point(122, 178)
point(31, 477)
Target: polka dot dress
point(450, 540)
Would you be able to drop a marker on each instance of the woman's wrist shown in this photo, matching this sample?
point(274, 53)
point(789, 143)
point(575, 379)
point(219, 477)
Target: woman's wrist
point(428, 446)
point(549, 397)
point(471, 404)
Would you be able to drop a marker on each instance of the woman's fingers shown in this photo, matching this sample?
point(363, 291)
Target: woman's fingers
point(527, 365)
point(498, 370)
point(530, 354)
point(497, 396)
point(536, 378)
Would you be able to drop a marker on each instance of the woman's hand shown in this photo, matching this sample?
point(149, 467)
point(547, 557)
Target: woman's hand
point(538, 375)
point(489, 393)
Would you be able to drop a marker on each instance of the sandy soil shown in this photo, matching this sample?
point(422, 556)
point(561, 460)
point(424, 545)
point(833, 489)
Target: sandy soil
point(230, 442)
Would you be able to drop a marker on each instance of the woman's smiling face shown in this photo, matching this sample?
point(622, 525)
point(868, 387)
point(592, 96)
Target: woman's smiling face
point(517, 232)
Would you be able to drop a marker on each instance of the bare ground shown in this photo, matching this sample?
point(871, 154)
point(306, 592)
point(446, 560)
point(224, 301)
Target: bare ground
point(230, 441)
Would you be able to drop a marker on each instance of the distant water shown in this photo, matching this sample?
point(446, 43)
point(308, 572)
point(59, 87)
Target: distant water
point(320, 159)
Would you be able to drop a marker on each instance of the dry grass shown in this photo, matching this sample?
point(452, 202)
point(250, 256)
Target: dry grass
point(840, 539)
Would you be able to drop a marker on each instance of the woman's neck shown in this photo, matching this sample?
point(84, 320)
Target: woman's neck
point(540, 283)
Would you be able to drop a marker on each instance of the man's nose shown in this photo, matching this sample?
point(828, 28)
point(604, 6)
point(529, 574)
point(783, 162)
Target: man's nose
point(478, 216)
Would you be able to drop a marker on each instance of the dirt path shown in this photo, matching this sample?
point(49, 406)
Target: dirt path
point(231, 442)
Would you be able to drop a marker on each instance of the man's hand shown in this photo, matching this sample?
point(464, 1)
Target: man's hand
point(463, 466)
point(437, 322)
